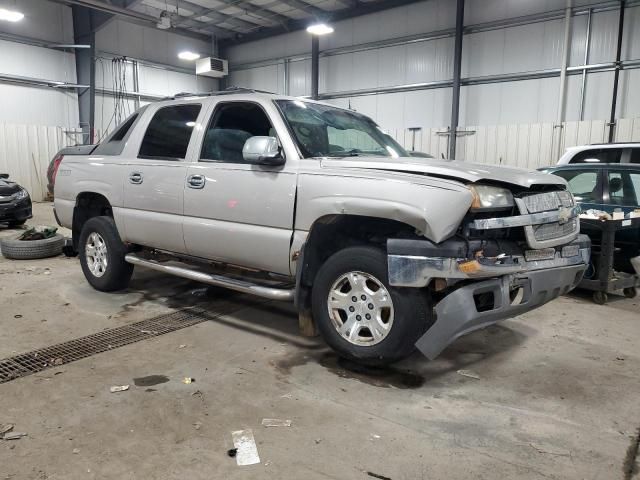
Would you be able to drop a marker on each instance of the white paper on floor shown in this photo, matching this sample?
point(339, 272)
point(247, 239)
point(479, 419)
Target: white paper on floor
point(247, 451)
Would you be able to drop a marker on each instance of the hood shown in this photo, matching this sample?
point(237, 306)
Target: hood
point(462, 171)
point(7, 187)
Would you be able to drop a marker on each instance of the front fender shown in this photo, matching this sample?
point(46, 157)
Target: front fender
point(435, 212)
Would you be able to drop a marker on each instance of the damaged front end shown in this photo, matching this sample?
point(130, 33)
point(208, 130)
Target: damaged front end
point(511, 256)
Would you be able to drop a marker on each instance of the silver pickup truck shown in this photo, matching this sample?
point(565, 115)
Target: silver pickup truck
point(300, 201)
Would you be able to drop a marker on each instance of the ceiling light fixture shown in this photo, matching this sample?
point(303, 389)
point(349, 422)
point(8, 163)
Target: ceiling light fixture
point(188, 56)
point(319, 29)
point(10, 15)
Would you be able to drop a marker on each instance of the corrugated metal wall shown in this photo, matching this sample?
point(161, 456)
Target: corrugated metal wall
point(527, 145)
point(25, 152)
point(514, 49)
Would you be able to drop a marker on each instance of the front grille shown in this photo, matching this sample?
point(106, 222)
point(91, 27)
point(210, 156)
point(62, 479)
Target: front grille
point(543, 202)
point(549, 234)
point(549, 231)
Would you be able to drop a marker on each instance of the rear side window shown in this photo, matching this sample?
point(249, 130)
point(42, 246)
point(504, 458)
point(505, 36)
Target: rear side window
point(168, 134)
point(598, 155)
point(114, 144)
point(624, 188)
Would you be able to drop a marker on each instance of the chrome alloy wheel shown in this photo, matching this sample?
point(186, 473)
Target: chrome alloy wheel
point(95, 252)
point(360, 308)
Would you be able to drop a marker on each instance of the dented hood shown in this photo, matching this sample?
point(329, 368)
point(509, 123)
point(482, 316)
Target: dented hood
point(463, 171)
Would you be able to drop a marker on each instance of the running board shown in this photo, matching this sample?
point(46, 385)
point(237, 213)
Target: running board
point(258, 290)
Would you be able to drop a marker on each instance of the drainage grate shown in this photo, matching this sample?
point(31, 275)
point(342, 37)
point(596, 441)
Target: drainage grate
point(63, 353)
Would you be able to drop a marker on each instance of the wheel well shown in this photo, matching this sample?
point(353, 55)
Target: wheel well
point(332, 233)
point(88, 205)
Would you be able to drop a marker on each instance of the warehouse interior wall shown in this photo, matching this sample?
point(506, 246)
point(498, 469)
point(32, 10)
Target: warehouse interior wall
point(411, 48)
point(36, 121)
point(44, 23)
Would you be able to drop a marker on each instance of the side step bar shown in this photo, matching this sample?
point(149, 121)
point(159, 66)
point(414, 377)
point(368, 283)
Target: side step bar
point(272, 293)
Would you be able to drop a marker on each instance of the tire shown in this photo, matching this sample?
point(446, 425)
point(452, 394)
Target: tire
point(630, 292)
point(31, 249)
point(106, 269)
point(403, 315)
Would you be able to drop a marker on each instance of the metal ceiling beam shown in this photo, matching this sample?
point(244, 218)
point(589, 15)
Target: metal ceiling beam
point(131, 15)
point(292, 25)
point(253, 9)
point(216, 16)
point(305, 7)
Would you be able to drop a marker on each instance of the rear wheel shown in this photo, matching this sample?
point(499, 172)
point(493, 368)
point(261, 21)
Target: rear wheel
point(360, 315)
point(102, 255)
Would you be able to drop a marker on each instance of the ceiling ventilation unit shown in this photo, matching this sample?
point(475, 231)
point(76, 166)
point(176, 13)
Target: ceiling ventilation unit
point(212, 67)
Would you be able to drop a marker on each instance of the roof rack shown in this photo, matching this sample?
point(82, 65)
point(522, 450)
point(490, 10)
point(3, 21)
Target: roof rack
point(227, 91)
point(612, 143)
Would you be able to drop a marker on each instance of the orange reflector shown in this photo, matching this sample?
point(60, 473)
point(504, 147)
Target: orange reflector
point(472, 266)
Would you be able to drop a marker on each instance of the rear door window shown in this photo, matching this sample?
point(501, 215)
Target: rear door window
point(635, 155)
point(624, 188)
point(598, 155)
point(169, 132)
point(584, 184)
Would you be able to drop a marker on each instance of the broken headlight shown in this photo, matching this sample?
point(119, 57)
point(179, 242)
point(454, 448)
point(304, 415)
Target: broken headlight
point(487, 197)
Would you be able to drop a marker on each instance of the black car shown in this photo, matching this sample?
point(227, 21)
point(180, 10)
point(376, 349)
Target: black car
point(607, 187)
point(15, 203)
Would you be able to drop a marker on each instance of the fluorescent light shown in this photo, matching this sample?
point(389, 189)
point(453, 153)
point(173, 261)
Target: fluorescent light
point(188, 56)
point(10, 15)
point(319, 29)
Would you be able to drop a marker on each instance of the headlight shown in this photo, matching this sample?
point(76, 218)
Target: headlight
point(488, 197)
point(22, 193)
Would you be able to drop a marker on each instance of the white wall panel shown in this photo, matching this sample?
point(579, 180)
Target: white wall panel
point(123, 38)
point(25, 152)
point(43, 20)
point(604, 37)
point(37, 106)
point(598, 94)
point(300, 78)
point(629, 94)
point(38, 62)
point(631, 34)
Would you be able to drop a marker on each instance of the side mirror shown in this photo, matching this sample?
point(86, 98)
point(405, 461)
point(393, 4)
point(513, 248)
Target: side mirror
point(262, 151)
point(4, 175)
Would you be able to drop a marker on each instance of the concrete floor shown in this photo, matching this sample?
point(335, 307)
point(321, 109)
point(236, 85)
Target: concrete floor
point(558, 394)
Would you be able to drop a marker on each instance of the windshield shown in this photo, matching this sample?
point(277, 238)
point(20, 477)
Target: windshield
point(324, 131)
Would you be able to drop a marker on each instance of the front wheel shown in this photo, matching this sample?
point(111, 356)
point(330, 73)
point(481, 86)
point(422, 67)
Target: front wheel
point(102, 255)
point(360, 315)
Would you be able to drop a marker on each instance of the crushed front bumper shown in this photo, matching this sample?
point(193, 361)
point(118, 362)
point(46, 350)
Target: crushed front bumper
point(489, 290)
point(458, 313)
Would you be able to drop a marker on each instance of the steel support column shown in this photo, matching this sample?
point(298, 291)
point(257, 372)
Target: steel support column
point(616, 75)
point(83, 30)
point(457, 63)
point(315, 63)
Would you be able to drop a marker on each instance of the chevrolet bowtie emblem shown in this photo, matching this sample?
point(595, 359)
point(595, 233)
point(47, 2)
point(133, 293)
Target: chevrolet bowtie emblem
point(563, 215)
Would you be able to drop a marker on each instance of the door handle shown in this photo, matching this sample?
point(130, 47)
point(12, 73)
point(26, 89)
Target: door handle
point(135, 178)
point(195, 181)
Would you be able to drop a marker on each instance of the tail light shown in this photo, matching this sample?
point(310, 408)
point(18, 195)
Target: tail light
point(56, 164)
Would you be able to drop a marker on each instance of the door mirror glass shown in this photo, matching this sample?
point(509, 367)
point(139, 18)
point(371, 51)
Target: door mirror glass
point(262, 151)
